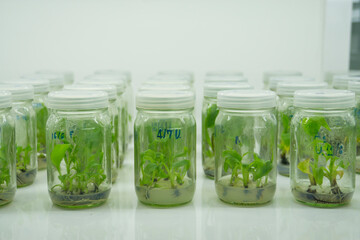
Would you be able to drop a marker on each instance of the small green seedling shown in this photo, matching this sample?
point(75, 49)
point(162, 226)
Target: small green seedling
point(210, 117)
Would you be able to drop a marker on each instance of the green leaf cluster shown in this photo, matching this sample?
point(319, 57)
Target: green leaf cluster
point(23, 157)
point(285, 133)
point(209, 123)
point(41, 118)
point(4, 169)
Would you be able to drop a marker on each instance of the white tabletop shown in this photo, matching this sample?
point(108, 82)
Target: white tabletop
point(32, 216)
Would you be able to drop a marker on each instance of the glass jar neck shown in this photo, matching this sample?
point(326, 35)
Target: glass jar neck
point(17, 103)
point(248, 111)
point(166, 112)
point(323, 111)
point(80, 112)
point(210, 99)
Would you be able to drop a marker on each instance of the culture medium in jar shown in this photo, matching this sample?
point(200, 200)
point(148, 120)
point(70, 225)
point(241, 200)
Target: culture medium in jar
point(245, 146)
point(322, 147)
point(355, 87)
point(78, 135)
point(285, 112)
point(210, 111)
point(113, 114)
point(165, 147)
point(269, 74)
point(25, 132)
point(7, 150)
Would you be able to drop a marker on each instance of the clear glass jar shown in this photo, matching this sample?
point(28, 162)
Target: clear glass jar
point(209, 114)
point(355, 87)
point(25, 132)
point(121, 119)
point(165, 148)
point(269, 74)
point(7, 150)
point(78, 135)
point(245, 146)
point(322, 147)
point(113, 114)
point(285, 112)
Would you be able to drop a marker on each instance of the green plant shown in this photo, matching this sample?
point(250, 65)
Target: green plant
point(284, 144)
point(41, 118)
point(321, 150)
point(254, 171)
point(161, 162)
point(83, 157)
point(209, 123)
point(23, 155)
point(4, 169)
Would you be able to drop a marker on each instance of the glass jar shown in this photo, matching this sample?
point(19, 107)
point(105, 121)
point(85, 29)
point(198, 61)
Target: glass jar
point(285, 112)
point(210, 111)
point(274, 81)
point(56, 80)
point(25, 132)
point(121, 118)
point(269, 74)
point(245, 146)
point(113, 114)
point(165, 147)
point(322, 147)
point(7, 150)
point(355, 87)
point(78, 135)
point(341, 82)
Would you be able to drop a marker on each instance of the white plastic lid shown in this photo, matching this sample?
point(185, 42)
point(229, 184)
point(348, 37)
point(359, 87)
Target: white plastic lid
point(40, 85)
point(178, 73)
point(173, 79)
point(77, 100)
point(164, 87)
point(19, 92)
point(274, 81)
point(68, 76)
point(269, 74)
point(125, 75)
point(354, 86)
point(160, 100)
point(225, 78)
point(246, 99)
point(224, 73)
point(211, 89)
point(341, 81)
point(289, 88)
point(5, 99)
point(56, 80)
point(109, 89)
point(324, 99)
point(118, 81)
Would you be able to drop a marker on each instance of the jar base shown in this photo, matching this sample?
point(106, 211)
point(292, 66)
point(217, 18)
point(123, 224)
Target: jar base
point(209, 173)
point(41, 161)
point(7, 197)
point(79, 201)
point(244, 196)
point(283, 170)
point(26, 178)
point(357, 165)
point(114, 175)
point(166, 197)
point(322, 200)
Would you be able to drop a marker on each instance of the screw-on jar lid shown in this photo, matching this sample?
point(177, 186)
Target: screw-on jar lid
point(118, 81)
point(160, 100)
point(55, 80)
point(5, 99)
point(226, 78)
point(125, 75)
point(67, 76)
point(274, 81)
point(246, 99)
point(173, 79)
point(354, 86)
point(341, 81)
point(164, 87)
point(187, 74)
point(324, 99)
point(224, 73)
point(211, 89)
point(269, 74)
point(40, 85)
point(19, 92)
point(289, 88)
point(77, 100)
point(109, 89)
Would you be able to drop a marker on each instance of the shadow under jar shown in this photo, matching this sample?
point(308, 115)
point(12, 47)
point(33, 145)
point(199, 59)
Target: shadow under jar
point(78, 142)
point(7, 150)
point(285, 112)
point(245, 147)
point(322, 147)
point(25, 132)
point(165, 147)
point(210, 111)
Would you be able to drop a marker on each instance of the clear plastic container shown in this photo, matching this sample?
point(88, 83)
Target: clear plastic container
point(245, 146)
point(165, 147)
point(285, 112)
point(7, 150)
point(274, 81)
point(210, 111)
point(355, 87)
point(280, 73)
point(113, 114)
point(322, 147)
point(341, 82)
point(78, 135)
point(123, 122)
point(25, 132)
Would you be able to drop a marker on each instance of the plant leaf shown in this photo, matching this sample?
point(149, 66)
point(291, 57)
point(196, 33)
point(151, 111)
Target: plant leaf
point(211, 115)
point(304, 166)
point(58, 154)
point(312, 125)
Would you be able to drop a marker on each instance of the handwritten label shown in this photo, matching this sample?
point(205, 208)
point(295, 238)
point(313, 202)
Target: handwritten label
point(61, 135)
point(170, 133)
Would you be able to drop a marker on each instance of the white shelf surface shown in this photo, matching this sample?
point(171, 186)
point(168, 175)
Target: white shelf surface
point(33, 216)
